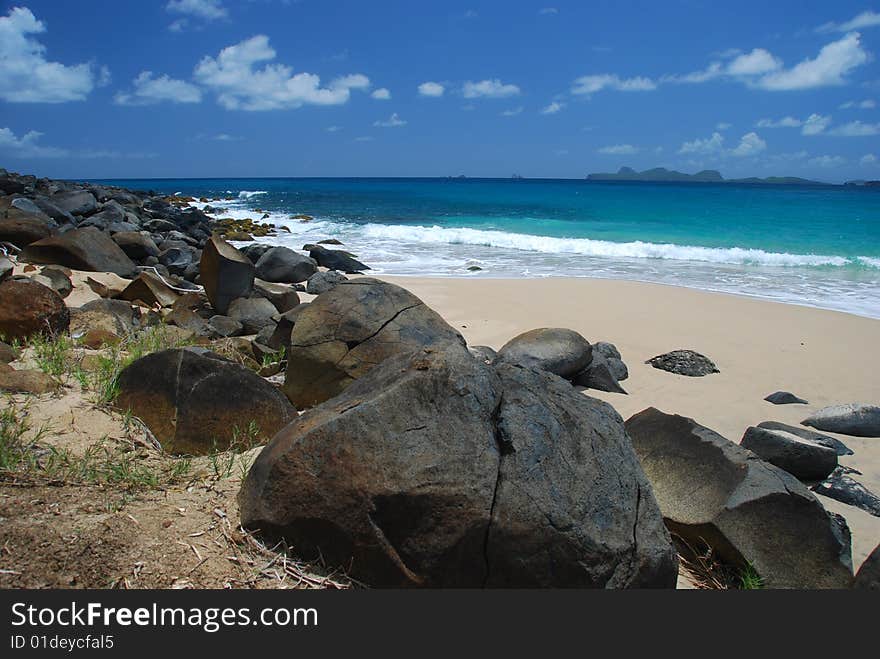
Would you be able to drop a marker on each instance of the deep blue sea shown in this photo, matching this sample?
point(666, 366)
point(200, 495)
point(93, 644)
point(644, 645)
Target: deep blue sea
point(816, 246)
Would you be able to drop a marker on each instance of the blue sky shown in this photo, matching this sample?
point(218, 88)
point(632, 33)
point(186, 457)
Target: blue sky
point(197, 88)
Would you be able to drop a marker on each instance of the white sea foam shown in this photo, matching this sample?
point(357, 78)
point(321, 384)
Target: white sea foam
point(247, 194)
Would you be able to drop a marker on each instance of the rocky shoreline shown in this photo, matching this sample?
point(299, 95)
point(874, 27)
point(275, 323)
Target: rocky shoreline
point(393, 450)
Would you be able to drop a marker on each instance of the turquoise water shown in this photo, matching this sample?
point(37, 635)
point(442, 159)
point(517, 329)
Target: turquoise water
point(818, 246)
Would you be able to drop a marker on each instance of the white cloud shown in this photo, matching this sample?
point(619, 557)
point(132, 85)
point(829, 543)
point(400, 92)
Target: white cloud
point(149, 90)
point(863, 20)
point(512, 112)
point(392, 122)
point(619, 150)
point(868, 159)
point(225, 137)
point(855, 129)
point(867, 104)
point(489, 89)
point(595, 83)
point(381, 94)
point(240, 86)
point(706, 146)
point(548, 11)
point(754, 63)
point(785, 122)
point(432, 89)
point(749, 145)
point(26, 76)
point(830, 67)
point(26, 146)
point(553, 108)
point(722, 125)
point(815, 124)
point(209, 10)
point(333, 129)
point(827, 161)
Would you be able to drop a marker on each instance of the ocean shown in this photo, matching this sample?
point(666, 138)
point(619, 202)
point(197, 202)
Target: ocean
point(810, 245)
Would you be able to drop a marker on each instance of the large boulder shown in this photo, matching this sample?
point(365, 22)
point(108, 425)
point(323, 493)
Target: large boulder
point(197, 403)
point(150, 289)
point(822, 440)
point(684, 362)
point(225, 273)
point(347, 331)
point(856, 419)
point(115, 316)
point(30, 381)
point(751, 513)
point(419, 474)
point(77, 202)
point(283, 265)
point(801, 458)
point(334, 259)
point(22, 231)
point(562, 352)
point(136, 244)
point(868, 576)
point(608, 353)
point(28, 307)
point(81, 249)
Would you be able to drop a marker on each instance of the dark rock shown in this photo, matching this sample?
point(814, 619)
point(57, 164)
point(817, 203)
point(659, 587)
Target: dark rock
point(81, 249)
point(254, 313)
point(823, 440)
point(801, 458)
point(840, 487)
point(562, 352)
point(857, 419)
point(78, 202)
point(483, 353)
point(422, 474)
point(224, 326)
point(136, 245)
point(116, 316)
point(334, 259)
point(59, 281)
point(749, 512)
point(226, 273)
point(177, 259)
point(347, 331)
point(684, 362)
point(255, 250)
point(785, 398)
point(149, 289)
point(599, 377)
point(9, 185)
point(28, 207)
point(321, 282)
point(196, 404)
point(329, 241)
point(53, 211)
point(22, 231)
point(282, 296)
point(283, 329)
point(611, 355)
point(28, 307)
point(868, 576)
point(7, 353)
point(189, 320)
point(281, 264)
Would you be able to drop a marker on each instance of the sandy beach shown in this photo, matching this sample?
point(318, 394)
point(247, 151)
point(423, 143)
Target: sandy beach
point(760, 347)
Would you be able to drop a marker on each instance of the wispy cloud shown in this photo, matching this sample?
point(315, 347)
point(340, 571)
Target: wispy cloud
point(855, 129)
point(392, 122)
point(750, 144)
point(512, 112)
point(867, 104)
point(812, 125)
point(595, 83)
point(149, 90)
point(27, 146)
point(618, 150)
point(864, 20)
point(553, 108)
point(489, 89)
point(381, 94)
point(204, 11)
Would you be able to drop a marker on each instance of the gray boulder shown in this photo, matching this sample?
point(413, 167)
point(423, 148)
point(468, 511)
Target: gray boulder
point(562, 352)
point(420, 474)
point(598, 376)
point(684, 362)
point(81, 249)
point(282, 264)
point(612, 358)
point(254, 313)
point(785, 398)
point(282, 296)
point(823, 440)
point(321, 282)
point(224, 326)
point(749, 512)
point(335, 259)
point(347, 331)
point(77, 202)
point(857, 419)
point(137, 245)
point(801, 458)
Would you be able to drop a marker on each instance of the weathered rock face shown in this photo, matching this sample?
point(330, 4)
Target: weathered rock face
point(711, 490)
point(855, 419)
point(321, 282)
point(116, 316)
point(79, 202)
point(347, 331)
point(226, 273)
point(23, 231)
point(598, 376)
point(823, 440)
point(149, 289)
point(801, 458)
point(81, 249)
point(283, 265)
point(684, 362)
point(420, 475)
point(608, 353)
point(28, 307)
point(197, 403)
point(253, 313)
point(562, 352)
point(868, 576)
point(785, 398)
point(282, 296)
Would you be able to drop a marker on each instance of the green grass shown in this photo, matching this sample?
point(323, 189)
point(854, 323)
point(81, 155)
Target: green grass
point(17, 437)
point(750, 579)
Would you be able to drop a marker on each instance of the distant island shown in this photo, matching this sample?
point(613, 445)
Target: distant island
point(661, 174)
